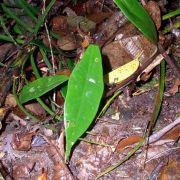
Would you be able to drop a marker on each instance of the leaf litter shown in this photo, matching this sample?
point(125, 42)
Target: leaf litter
point(35, 150)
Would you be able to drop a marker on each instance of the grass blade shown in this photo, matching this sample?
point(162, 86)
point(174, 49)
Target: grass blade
point(28, 9)
point(42, 18)
point(17, 19)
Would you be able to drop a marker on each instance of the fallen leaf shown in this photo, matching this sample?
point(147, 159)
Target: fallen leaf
point(125, 143)
point(59, 25)
point(128, 44)
point(99, 17)
point(36, 109)
point(22, 142)
point(67, 42)
point(122, 73)
point(173, 134)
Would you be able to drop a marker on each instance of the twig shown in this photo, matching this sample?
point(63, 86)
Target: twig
point(163, 131)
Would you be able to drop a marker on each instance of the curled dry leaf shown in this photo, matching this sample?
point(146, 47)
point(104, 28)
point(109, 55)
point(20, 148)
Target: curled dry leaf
point(22, 142)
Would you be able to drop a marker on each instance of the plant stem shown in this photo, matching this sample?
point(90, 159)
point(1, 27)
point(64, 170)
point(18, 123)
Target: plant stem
point(171, 14)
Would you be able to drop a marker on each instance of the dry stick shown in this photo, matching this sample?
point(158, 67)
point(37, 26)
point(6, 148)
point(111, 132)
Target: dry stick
point(157, 135)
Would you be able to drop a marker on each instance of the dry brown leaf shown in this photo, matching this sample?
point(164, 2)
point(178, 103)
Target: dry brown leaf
point(170, 171)
point(172, 134)
point(99, 17)
point(128, 44)
point(22, 142)
point(65, 72)
point(59, 25)
point(67, 43)
point(36, 109)
point(125, 143)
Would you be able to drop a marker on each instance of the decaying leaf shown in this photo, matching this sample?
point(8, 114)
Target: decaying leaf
point(121, 73)
point(81, 22)
point(128, 44)
point(67, 42)
point(127, 142)
point(22, 142)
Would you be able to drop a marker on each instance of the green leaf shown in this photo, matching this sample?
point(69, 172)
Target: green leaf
point(139, 17)
point(85, 89)
point(42, 18)
point(16, 18)
point(28, 9)
point(40, 86)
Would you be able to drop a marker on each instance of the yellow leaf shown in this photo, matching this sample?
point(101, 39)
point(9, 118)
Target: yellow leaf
point(123, 72)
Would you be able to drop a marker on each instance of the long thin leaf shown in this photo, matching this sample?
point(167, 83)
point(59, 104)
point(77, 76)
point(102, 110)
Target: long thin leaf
point(42, 18)
point(40, 86)
point(6, 30)
point(139, 17)
point(28, 9)
point(18, 20)
point(85, 89)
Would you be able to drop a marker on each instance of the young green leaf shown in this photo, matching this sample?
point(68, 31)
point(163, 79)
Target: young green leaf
point(40, 86)
point(139, 17)
point(85, 89)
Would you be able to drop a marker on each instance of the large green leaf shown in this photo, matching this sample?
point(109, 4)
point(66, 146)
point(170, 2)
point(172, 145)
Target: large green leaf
point(139, 17)
point(40, 86)
point(85, 89)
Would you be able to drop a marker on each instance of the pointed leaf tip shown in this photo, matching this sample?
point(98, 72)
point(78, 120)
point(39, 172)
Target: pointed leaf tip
point(85, 89)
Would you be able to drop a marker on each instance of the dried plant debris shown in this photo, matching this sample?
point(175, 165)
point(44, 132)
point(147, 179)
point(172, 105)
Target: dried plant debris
point(43, 45)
